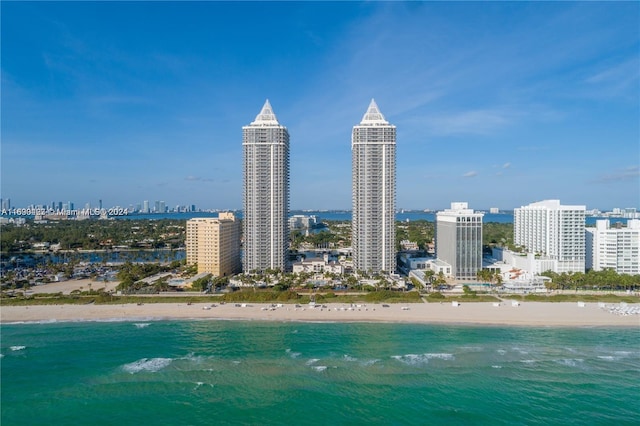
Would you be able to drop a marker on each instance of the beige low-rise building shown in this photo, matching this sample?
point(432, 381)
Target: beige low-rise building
point(319, 265)
point(214, 244)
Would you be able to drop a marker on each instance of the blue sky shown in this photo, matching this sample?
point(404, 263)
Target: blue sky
point(498, 104)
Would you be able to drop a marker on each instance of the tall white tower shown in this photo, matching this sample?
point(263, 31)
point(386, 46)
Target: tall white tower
point(553, 230)
point(373, 150)
point(265, 145)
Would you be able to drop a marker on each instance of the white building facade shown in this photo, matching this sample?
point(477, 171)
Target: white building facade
point(554, 231)
point(614, 248)
point(300, 221)
point(319, 266)
point(373, 149)
point(459, 240)
point(265, 145)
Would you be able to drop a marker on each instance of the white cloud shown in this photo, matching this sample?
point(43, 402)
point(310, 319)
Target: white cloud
point(471, 173)
point(620, 175)
point(477, 122)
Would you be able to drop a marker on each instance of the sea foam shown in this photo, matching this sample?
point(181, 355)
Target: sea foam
point(147, 364)
point(570, 362)
point(413, 359)
point(293, 354)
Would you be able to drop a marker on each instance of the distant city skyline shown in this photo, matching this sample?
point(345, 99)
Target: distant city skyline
point(139, 207)
point(498, 104)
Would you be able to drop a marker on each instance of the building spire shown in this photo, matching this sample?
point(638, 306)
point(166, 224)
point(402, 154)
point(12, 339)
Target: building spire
point(266, 116)
point(373, 115)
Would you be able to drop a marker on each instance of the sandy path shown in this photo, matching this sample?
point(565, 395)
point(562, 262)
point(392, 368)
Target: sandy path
point(66, 287)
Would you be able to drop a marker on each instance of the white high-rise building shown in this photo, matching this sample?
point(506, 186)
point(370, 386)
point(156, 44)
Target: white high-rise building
point(265, 145)
point(459, 240)
point(614, 248)
point(554, 231)
point(373, 149)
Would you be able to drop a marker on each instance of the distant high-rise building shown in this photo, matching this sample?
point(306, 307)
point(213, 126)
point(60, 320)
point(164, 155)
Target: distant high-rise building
point(214, 244)
point(145, 206)
point(459, 240)
point(6, 204)
point(299, 221)
point(614, 248)
point(550, 229)
point(265, 146)
point(373, 177)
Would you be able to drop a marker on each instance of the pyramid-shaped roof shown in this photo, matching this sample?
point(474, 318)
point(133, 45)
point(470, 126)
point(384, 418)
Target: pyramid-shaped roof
point(266, 116)
point(373, 115)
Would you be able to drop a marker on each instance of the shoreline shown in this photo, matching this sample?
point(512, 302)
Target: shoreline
point(562, 314)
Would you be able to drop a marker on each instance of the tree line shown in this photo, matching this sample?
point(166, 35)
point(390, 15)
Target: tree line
point(94, 234)
point(607, 279)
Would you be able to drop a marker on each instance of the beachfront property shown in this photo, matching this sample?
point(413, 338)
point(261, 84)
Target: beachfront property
point(503, 259)
point(553, 231)
point(265, 146)
point(426, 263)
point(214, 244)
point(459, 240)
point(373, 150)
point(616, 248)
point(416, 267)
point(325, 264)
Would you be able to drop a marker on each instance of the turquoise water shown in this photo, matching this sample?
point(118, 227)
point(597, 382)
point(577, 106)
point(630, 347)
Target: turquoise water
point(236, 372)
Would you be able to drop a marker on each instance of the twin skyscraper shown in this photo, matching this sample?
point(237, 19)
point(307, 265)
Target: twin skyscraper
point(266, 193)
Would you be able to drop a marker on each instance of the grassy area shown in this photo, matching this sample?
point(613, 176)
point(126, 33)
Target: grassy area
point(383, 296)
point(269, 296)
point(608, 298)
point(605, 297)
point(469, 297)
point(261, 296)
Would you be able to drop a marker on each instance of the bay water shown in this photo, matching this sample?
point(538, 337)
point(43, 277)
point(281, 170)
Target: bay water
point(210, 372)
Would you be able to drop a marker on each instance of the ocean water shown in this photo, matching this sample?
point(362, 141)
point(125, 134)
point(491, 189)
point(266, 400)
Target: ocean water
point(506, 217)
point(240, 372)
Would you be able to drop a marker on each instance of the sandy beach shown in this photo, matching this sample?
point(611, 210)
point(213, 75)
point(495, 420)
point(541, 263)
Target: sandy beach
point(526, 314)
point(66, 287)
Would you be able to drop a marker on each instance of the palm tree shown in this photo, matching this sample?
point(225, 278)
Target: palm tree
point(498, 277)
point(428, 277)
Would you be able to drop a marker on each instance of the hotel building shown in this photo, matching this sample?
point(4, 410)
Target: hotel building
point(553, 231)
point(214, 244)
point(614, 248)
point(459, 240)
point(265, 145)
point(373, 149)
